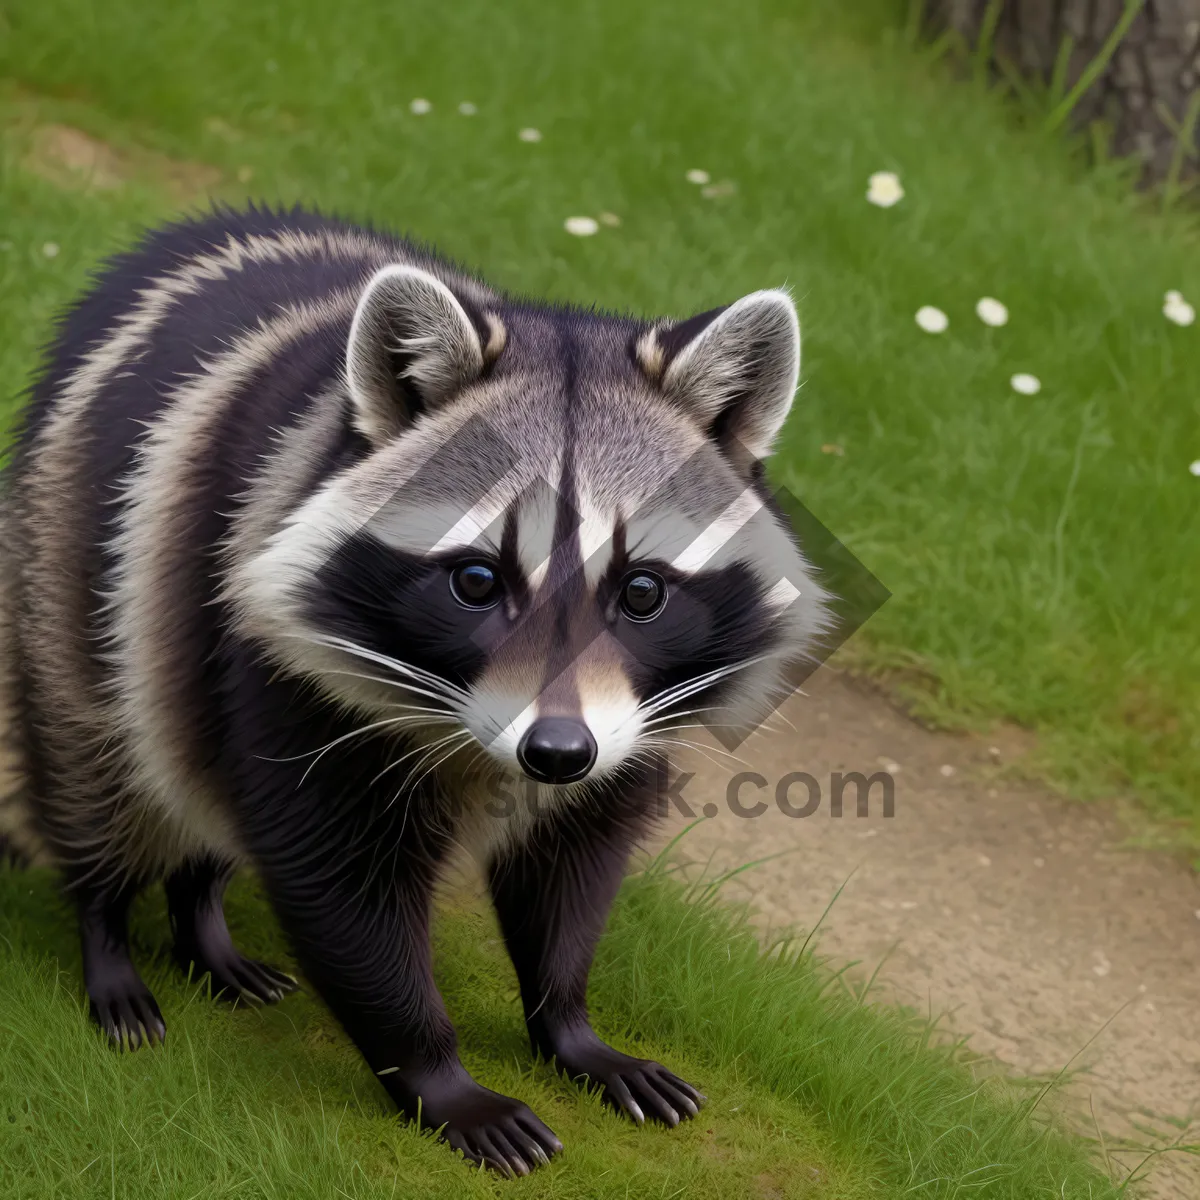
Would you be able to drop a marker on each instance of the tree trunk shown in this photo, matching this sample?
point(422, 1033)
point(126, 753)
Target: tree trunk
point(1143, 93)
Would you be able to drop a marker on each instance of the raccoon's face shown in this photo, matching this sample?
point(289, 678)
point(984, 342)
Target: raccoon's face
point(557, 547)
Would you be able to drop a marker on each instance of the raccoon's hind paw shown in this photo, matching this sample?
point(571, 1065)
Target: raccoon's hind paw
point(508, 1139)
point(203, 945)
point(638, 1087)
point(238, 979)
point(641, 1088)
point(127, 1013)
point(489, 1129)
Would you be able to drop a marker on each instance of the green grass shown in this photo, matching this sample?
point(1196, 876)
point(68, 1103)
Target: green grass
point(1041, 551)
point(812, 1093)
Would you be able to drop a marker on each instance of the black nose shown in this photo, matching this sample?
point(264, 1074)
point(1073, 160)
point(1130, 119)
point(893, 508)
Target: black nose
point(557, 750)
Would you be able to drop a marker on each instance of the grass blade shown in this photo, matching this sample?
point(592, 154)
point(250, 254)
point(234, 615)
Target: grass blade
point(1095, 68)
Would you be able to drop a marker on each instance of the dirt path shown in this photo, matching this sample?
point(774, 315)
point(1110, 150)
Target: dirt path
point(1011, 910)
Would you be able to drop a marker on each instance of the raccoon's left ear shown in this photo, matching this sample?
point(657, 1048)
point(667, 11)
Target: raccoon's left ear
point(734, 370)
point(412, 346)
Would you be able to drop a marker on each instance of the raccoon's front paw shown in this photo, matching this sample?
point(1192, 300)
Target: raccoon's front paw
point(121, 1004)
point(495, 1130)
point(639, 1087)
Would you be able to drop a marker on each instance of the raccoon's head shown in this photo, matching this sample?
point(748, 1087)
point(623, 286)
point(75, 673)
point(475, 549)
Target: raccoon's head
point(554, 542)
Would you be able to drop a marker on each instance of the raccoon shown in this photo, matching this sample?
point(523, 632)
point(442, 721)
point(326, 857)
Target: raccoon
point(327, 558)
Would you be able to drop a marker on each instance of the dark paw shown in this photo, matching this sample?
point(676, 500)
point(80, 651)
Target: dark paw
point(238, 979)
point(642, 1088)
point(497, 1131)
point(635, 1086)
point(126, 1011)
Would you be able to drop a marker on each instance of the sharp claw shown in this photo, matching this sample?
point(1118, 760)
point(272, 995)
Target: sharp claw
point(512, 1154)
point(535, 1154)
point(664, 1111)
point(675, 1091)
point(491, 1156)
point(539, 1136)
point(654, 1091)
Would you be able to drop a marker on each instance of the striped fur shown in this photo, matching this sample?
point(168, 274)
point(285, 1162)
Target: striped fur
point(260, 445)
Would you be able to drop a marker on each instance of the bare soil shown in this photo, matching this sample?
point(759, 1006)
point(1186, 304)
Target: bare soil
point(72, 158)
point(1018, 914)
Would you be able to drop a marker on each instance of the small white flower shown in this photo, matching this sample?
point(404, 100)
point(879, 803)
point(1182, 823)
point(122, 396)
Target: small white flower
point(946, 770)
point(50, 249)
point(467, 109)
point(884, 189)
point(697, 175)
point(610, 219)
point(420, 106)
point(581, 226)
point(1195, 470)
point(1027, 385)
point(1178, 310)
point(530, 135)
point(931, 319)
point(991, 312)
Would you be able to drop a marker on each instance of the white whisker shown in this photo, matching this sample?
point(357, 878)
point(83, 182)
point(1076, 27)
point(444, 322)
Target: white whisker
point(691, 686)
point(687, 712)
point(399, 685)
point(698, 749)
point(392, 664)
point(410, 784)
point(417, 750)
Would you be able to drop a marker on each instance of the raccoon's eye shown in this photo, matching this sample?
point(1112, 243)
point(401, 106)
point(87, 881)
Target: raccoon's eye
point(475, 585)
point(643, 596)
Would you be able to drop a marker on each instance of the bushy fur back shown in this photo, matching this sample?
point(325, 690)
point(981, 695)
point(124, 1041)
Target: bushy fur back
point(203, 464)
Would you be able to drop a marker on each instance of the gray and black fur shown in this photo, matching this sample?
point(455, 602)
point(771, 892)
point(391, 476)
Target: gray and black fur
point(325, 557)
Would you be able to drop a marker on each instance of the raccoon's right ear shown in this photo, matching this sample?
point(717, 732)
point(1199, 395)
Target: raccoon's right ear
point(733, 370)
point(412, 347)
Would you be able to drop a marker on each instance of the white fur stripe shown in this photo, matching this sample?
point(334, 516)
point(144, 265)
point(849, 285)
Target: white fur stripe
point(152, 537)
point(157, 299)
point(286, 475)
point(81, 737)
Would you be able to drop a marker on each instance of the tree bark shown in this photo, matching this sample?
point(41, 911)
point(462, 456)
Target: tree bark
point(1144, 90)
